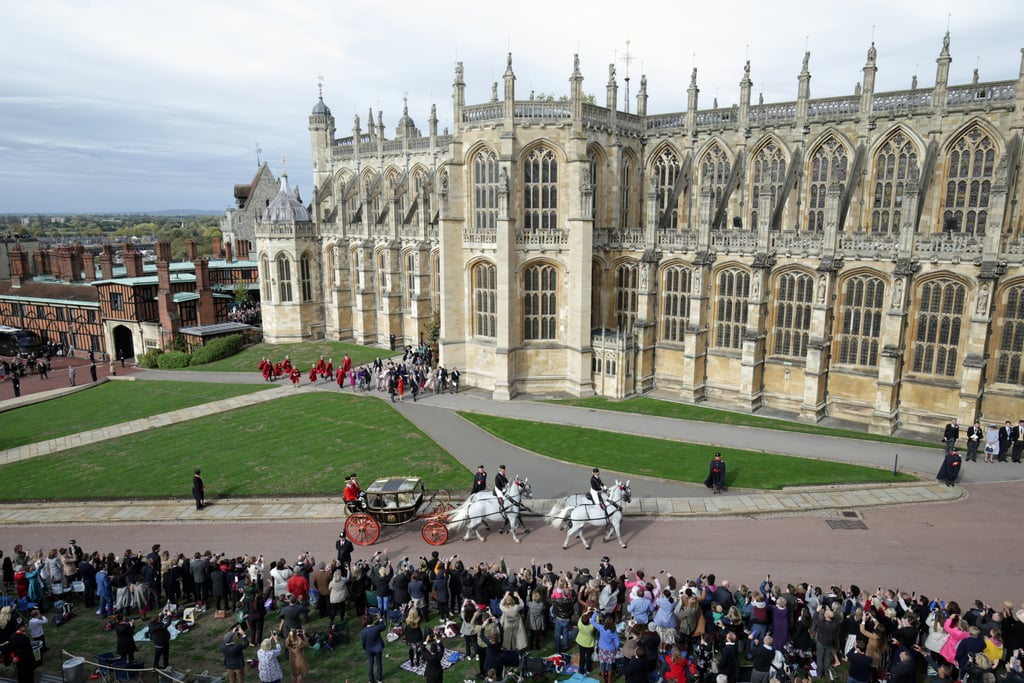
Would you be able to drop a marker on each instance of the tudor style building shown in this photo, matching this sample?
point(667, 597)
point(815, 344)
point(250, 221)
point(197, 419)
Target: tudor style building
point(860, 257)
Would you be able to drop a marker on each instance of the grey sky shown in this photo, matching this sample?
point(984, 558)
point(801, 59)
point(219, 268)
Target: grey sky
point(139, 105)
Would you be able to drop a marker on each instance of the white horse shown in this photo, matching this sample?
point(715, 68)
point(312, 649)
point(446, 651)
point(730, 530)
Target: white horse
point(484, 507)
point(588, 513)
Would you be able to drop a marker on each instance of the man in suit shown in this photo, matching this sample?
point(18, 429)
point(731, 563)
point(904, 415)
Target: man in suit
point(1017, 438)
point(975, 434)
point(1005, 438)
point(729, 662)
point(479, 480)
point(950, 435)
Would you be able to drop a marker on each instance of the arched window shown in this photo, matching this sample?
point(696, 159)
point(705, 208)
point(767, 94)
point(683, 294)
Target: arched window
point(284, 279)
point(792, 297)
point(731, 308)
point(666, 171)
point(892, 169)
point(540, 190)
point(265, 275)
point(329, 270)
point(625, 197)
point(410, 276)
point(972, 162)
point(625, 296)
point(306, 278)
point(714, 173)
point(829, 163)
point(435, 280)
point(769, 166)
point(861, 320)
point(939, 318)
point(1010, 356)
point(383, 277)
point(675, 303)
point(485, 190)
point(485, 300)
point(540, 311)
point(595, 169)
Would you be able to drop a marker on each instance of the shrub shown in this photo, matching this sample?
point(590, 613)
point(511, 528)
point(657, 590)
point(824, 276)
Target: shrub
point(172, 360)
point(149, 359)
point(218, 348)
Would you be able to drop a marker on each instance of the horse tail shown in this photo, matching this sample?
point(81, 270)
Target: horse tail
point(459, 516)
point(558, 512)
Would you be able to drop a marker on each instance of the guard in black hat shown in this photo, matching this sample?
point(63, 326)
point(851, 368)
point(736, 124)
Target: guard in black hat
point(480, 480)
point(500, 484)
point(198, 490)
point(597, 488)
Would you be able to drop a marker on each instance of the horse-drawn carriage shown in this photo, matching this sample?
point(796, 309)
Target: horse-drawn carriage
point(394, 501)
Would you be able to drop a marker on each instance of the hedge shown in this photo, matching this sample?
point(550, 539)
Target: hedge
point(172, 360)
point(150, 359)
point(218, 348)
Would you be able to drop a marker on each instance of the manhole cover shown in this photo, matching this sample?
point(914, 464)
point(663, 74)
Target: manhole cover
point(846, 524)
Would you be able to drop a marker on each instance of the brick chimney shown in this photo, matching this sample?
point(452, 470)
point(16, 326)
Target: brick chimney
point(190, 250)
point(215, 247)
point(227, 252)
point(77, 262)
point(163, 251)
point(206, 312)
point(107, 262)
point(19, 265)
point(132, 261)
point(65, 264)
point(89, 266)
point(242, 249)
point(170, 321)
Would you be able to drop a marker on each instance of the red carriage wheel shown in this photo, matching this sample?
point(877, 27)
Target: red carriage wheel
point(362, 529)
point(434, 532)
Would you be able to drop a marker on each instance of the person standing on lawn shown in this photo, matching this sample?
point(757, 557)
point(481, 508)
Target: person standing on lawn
point(198, 490)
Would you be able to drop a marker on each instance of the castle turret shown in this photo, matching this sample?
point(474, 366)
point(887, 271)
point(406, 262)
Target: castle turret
point(321, 133)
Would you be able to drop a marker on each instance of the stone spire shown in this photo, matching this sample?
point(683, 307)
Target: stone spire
point(691, 103)
point(745, 87)
point(868, 88)
point(803, 93)
point(641, 97)
point(458, 96)
point(942, 63)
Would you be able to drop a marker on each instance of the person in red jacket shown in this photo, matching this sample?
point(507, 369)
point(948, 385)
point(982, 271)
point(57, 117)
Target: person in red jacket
point(329, 370)
point(267, 369)
point(278, 369)
point(287, 364)
point(353, 494)
point(321, 366)
point(312, 374)
point(341, 378)
point(295, 376)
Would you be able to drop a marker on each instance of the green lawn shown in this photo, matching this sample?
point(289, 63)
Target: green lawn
point(684, 411)
point(305, 354)
point(673, 460)
point(107, 404)
point(298, 445)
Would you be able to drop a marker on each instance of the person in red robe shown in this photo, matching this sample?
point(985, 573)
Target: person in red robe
point(346, 364)
point(287, 364)
point(321, 367)
point(329, 370)
point(312, 374)
point(278, 369)
point(341, 379)
point(263, 364)
point(266, 371)
point(295, 376)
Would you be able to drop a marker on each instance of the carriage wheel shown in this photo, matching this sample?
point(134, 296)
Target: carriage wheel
point(434, 533)
point(362, 529)
point(439, 504)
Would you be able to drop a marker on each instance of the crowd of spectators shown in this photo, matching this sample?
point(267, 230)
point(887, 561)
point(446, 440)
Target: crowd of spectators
point(634, 623)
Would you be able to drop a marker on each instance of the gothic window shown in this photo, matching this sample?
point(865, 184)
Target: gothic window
point(594, 168)
point(410, 275)
point(383, 277)
point(769, 166)
point(485, 300)
point(485, 190)
point(829, 164)
point(284, 279)
point(329, 269)
point(972, 161)
point(714, 170)
point(792, 298)
point(675, 303)
point(1010, 356)
point(420, 185)
point(540, 190)
point(265, 277)
point(624, 191)
point(306, 278)
point(540, 313)
point(861, 316)
point(666, 171)
point(892, 170)
point(625, 296)
point(435, 279)
point(939, 318)
point(731, 308)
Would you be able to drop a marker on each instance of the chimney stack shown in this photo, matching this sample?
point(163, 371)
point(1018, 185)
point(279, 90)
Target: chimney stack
point(107, 263)
point(170, 321)
point(215, 247)
point(227, 252)
point(190, 250)
point(19, 265)
point(132, 261)
point(242, 249)
point(206, 312)
point(163, 251)
point(89, 266)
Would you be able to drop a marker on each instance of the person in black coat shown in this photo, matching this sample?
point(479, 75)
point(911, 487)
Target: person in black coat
point(161, 639)
point(635, 669)
point(234, 654)
point(716, 474)
point(729, 661)
point(19, 647)
point(432, 656)
point(124, 629)
point(950, 469)
point(198, 490)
